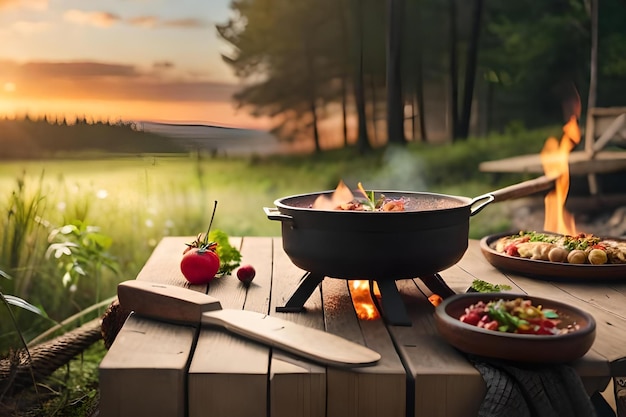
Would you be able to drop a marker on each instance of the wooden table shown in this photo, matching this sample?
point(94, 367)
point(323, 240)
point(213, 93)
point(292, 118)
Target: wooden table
point(161, 369)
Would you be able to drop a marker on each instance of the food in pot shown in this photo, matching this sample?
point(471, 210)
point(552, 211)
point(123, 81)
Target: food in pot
point(580, 249)
point(343, 199)
point(516, 316)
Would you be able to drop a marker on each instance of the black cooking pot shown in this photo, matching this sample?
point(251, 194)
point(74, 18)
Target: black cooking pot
point(423, 240)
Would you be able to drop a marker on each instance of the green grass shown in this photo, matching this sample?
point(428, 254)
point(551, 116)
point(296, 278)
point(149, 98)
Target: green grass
point(136, 200)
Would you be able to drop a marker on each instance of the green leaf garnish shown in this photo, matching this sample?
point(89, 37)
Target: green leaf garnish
point(550, 314)
point(483, 286)
point(230, 257)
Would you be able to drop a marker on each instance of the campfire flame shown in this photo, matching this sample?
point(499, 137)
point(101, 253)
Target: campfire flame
point(359, 289)
point(555, 161)
point(362, 299)
point(341, 195)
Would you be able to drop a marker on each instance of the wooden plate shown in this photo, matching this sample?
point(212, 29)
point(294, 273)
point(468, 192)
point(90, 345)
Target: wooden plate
point(511, 346)
point(549, 270)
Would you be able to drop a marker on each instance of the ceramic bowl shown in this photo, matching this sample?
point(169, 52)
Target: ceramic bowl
point(511, 346)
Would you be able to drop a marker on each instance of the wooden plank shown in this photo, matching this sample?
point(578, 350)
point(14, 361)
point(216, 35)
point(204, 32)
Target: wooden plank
point(374, 391)
point(604, 125)
point(144, 371)
point(609, 134)
point(228, 375)
point(445, 383)
point(607, 111)
point(579, 163)
point(297, 387)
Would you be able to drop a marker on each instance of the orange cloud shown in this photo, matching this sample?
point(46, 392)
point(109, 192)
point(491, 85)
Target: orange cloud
point(108, 81)
point(29, 4)
point(153, 21)
point(75, 69)
point(99, 19)
point(185, 23)
point(117, 91)
point(6, 3)
point(143, 21)
point(106, 19)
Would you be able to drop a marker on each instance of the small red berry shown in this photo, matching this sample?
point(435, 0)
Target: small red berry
point(246, 273)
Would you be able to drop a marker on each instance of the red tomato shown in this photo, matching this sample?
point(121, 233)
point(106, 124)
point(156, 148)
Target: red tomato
point(470, 318)
point(511, 250)
point(199, 266)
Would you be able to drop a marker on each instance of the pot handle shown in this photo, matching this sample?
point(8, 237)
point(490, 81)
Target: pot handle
point(272, 213)
point(483, 200)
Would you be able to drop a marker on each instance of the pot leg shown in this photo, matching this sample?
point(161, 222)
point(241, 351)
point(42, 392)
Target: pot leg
point(393, 309)
point(437, 285)
point(308, 284)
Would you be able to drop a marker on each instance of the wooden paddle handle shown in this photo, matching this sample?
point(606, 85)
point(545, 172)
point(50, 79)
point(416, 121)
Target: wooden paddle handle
point(181, 305)
point(165, 302)
point(523, 189)
point(309, 343)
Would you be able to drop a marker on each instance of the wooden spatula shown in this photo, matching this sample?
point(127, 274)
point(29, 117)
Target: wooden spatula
point(175, 304)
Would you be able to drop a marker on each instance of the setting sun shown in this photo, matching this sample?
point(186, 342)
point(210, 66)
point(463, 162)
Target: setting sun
point(9, 87)
point(133, 63)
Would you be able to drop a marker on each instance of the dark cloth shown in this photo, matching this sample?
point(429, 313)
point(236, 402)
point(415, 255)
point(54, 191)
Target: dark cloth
point(516, 390)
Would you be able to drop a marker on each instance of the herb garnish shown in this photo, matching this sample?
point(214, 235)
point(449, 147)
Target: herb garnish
point(230, 257)
point(483, 286)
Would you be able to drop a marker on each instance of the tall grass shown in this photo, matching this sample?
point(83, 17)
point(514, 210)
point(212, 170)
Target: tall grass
point(21, 234)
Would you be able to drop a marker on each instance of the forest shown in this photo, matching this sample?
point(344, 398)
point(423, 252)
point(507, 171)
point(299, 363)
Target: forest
point(365, 73)
point(27, 138)
point(423, 70)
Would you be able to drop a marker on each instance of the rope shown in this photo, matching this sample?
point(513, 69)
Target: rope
point(21, 367)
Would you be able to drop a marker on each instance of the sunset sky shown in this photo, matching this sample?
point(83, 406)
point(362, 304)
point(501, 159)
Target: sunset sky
point(118, 59)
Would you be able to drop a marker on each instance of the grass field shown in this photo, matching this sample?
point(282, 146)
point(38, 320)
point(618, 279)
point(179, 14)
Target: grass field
point(139, 199)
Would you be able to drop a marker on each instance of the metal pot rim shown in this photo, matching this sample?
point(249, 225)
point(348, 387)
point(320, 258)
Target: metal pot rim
point(464, 202)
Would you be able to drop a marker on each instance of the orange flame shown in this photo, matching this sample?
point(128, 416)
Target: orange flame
point(341, 195)
point(362, 299)
point(555, 161)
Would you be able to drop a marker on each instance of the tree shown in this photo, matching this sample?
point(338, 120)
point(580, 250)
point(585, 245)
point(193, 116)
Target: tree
point(414, 48)
point(453, 68)
point(530, 49)
point(470, 70)
point(297, 58)
point(363, 143)
point(395, 99)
